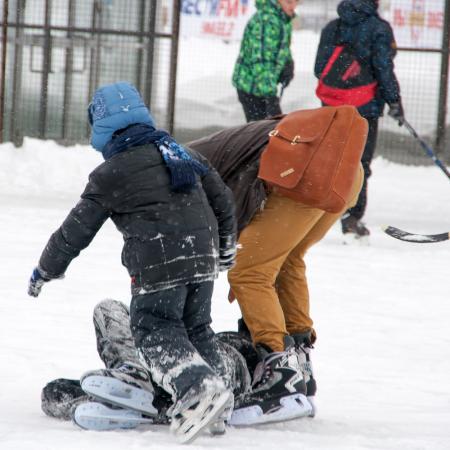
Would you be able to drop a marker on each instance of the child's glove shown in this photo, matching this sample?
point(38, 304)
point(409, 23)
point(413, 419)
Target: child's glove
point(227, 252)
point(36, 282)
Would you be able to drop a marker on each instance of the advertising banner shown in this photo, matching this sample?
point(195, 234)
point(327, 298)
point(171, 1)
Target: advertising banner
point(222, 19)
point(417, 23)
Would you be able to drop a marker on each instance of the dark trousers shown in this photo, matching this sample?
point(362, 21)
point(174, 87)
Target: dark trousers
point(359, 209)
point(259, 108)
point(172, 332)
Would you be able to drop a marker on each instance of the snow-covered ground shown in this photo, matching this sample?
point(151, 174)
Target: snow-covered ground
point(382, 360)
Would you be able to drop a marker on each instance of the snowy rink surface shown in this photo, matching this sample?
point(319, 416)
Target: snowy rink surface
point(382, 314)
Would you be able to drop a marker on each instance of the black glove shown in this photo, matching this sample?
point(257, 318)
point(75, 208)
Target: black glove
point(396, 112)
point(36, 282)
point(227, 252)
point(287, 74)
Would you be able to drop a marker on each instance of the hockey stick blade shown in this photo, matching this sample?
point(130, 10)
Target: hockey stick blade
point(415, 238)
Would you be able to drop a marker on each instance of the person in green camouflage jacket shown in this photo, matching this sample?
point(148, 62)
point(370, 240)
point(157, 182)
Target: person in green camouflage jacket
point(265, 58)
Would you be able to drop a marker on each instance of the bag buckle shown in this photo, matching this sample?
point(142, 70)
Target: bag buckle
point(273, 133)
point(296, 140)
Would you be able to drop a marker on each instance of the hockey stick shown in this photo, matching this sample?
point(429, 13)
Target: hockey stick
point(415, 238)
point(427, 148)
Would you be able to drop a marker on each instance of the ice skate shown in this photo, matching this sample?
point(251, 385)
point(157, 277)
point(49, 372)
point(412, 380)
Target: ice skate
point(127, 387)
point(99, 417)
point(218, 427)
point(201, 408)
point(278, 392)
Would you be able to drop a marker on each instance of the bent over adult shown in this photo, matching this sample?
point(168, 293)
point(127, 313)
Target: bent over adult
point(269, 278)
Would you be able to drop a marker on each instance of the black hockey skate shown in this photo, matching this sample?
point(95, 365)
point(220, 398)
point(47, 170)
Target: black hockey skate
point(278, 390)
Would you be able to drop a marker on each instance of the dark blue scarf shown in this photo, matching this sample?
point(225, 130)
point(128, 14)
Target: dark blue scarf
point(182, 167)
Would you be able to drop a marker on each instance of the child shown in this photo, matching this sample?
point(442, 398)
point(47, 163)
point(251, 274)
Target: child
point(177, 220)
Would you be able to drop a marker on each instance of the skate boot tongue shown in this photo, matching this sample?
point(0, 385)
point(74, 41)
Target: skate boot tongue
point(303, 348)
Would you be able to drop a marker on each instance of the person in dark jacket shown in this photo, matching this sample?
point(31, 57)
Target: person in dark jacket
point(370, 39)
point(177, 220)
point(265, 58)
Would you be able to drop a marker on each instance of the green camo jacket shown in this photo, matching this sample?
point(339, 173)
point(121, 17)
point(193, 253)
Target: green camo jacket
point(265, 49)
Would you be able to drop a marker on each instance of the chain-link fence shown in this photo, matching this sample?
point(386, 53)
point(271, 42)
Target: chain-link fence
point(207, 101)
point(59, 51)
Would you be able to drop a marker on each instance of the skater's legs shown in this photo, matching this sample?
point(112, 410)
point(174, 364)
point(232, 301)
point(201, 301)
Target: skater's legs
point(224, 360)
point(163, 342)
point(115, 342)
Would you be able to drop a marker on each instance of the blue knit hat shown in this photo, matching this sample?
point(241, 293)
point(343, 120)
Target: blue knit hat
point(114, 107)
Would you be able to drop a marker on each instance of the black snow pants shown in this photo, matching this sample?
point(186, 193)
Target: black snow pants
point(359, 209)
point(172, 332)
point(259, 108)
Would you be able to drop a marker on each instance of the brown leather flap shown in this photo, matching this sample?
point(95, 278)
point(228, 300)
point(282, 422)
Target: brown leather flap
point(292, 145)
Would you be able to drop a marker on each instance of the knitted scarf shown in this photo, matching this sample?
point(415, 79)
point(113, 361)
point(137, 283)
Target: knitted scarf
point(182, 167)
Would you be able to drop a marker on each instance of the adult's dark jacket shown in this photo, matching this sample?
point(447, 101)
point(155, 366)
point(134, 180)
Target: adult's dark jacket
point(169, 238)
point(235, 154)
point(372, 39)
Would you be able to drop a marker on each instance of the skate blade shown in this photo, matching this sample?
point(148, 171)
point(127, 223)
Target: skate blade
point(354, 239)
point(291, 407)
point(193, 426)
point(218, 428)
point(313, 406)
point(99, 417)
point(119, 393)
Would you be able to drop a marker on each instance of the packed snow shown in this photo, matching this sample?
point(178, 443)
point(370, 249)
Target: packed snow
point(381, 313)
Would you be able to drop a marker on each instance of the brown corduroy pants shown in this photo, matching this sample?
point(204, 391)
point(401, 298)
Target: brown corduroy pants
point(269, 279)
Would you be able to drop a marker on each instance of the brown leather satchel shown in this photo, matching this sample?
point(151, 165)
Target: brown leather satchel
point(313, 156)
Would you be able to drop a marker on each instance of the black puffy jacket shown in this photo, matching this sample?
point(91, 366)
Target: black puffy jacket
point(372, 38)
point(170, 238)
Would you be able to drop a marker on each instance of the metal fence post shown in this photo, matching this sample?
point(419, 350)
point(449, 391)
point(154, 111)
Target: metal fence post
point(46, 69)
point(443, 89)
point(68, 72)
point(173, 65)
point(17, 131)
point(148, 82)
point(3, 66)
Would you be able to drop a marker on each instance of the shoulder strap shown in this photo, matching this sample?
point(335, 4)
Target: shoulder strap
point(335, 55)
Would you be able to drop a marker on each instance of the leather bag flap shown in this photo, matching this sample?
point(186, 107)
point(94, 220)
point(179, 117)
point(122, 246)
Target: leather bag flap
point(292, 145)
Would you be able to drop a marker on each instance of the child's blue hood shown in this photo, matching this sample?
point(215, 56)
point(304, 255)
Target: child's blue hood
point(114, 107)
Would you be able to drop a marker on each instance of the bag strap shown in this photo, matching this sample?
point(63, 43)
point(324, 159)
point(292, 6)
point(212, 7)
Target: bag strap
point(334, 56)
